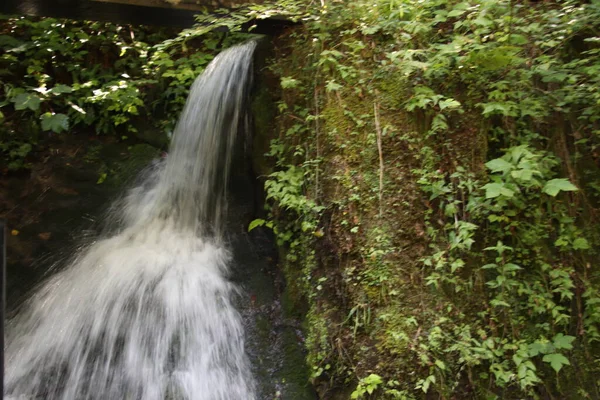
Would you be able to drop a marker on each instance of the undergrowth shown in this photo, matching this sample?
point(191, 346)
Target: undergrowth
point(436, 191)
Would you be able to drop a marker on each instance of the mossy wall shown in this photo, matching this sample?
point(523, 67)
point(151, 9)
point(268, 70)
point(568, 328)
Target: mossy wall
point(429, 190)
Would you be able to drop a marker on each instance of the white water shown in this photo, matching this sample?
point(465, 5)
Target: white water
point(145, 312)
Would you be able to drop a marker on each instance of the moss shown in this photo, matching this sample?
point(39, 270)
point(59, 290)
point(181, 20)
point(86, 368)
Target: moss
point(263, 112)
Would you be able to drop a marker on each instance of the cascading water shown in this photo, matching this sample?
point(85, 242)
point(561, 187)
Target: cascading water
point(145, 312)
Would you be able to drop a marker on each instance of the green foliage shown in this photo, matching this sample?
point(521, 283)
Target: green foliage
point(55, 122)
point(61, 76)
point(495, 103)
point(366, 386)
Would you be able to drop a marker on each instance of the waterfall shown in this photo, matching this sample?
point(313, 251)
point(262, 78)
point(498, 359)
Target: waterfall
point(145, 312)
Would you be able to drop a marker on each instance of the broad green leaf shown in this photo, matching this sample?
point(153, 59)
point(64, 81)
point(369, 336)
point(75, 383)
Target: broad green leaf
point(332, 86)
point(58, 89)
point(101, 178)
point(289, 83)
point(499, 165)
point(21, 151)
point(499, 303)
point(492, 190)
point(563, 341)
point(373, 379)
point(538, 347)
point(440, 364)
point(522, 175)
point(55, 122)
point(449, 103)
point(506, 192)
point(554, 186)
point(27, 100)
point(509, 267)
point(580, 244)
point(256, 223)
point(556, 361)
point(7, 42)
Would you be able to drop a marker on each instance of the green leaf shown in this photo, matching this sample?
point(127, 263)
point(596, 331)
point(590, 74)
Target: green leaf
point(506, 192)
point(332, 86)
point(449, 103)
point(554, 186)
point(499, 303)
point(21, 151)
point(556, 361)
point(457, 12)
point(256, 223)
point(538, 347)
point(101, 178)
point(563, 341)
point(7, 42)
point(54, 122)
point(27, 100)
point(58, 89)
point(509, 267)
point(289, 83)
point(580, 244)
point(499, 165)
point(522, 175)
point(492, 190)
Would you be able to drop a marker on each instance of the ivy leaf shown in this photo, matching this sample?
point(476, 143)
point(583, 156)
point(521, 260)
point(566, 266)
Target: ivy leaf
point(563, 342)
point(554, 186)
point(55, 122)
point(556, 360)
point(499, 165)
point(26, 100)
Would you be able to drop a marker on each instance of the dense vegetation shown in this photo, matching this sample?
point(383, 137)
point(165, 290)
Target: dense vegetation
point(62, 77)
point(434, 184)
point(437, 192)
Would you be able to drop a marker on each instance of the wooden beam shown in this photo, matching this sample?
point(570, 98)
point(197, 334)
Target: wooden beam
point(172, 13)
point(100, 11)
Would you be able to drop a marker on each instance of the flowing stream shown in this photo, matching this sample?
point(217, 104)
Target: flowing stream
point(145, 312)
